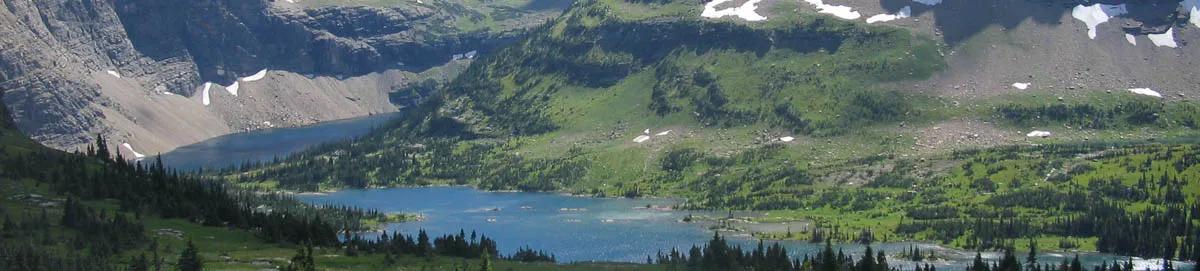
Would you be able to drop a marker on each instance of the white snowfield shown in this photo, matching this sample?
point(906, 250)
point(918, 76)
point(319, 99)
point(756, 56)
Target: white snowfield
point(843, 12)
point(1131, 39)
point(255, 77)
point(787, 139)
point(903, 13)
point(233, 89)
point(1166, 39)
point(1193, 7)
point(1021, 86)
point(929, 2)
point(135, 153)
point(1038, 134)
point(113, 73)
point(663, 133)
point(1097, 14)
point(205, 99)
point(745, 11)
point(1145, 91)
point(641, 138)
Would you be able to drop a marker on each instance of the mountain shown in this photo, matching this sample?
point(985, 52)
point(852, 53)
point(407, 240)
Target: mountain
point(161, 74)
point(627, 82)
point(909, 126)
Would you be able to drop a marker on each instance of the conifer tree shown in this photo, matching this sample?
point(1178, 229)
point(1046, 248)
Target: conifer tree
point(189, 259)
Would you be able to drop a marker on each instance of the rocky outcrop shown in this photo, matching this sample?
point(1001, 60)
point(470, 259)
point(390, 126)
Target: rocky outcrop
point(134, 70)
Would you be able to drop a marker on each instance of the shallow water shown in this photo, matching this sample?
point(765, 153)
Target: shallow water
point(267, 144)
point(599, 229)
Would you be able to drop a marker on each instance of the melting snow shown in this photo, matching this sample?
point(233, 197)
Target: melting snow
point(135, 153)
point(1131, 39)
point(787, 139)
point(233, 89)
point(1097, 14)
point(1038, 134)
point(255, 77)
point(641, 138)
point(929, 2)
point(114, 73)
point(843, 12)
point(1192, 6)
point(1021, 86)
point(207, 85)
point(1145, 91)
point(745, 11)
point(663, 133)
point(1166, 39)
point(903, 13)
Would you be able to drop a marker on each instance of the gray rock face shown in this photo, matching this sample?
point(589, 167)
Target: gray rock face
point(53, 51)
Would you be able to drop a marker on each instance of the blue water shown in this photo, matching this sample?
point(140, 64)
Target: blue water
point(599, 229)
point(267, 144)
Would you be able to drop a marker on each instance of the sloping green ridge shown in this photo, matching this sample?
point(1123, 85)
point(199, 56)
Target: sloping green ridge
point(816, 76)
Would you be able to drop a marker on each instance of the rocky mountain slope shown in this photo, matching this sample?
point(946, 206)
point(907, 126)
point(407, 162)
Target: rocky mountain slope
point(594, 100)
point(161, 74)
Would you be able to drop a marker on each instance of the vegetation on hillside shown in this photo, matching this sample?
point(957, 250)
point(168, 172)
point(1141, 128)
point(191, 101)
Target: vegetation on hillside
point(556, 111)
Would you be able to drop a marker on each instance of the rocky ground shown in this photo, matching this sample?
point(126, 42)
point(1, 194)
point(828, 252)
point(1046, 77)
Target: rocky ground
point(135, 70)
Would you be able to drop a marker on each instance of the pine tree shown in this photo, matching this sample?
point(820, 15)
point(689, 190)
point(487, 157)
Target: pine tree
point(486, 265)
point(867, 263)
point(138, 263)
point(1031, 260)
point(979, 264)
point(190, 259)
point(303, 260)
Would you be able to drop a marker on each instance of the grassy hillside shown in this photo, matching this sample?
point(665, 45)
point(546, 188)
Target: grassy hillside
point(561, 109)
point(61, 211)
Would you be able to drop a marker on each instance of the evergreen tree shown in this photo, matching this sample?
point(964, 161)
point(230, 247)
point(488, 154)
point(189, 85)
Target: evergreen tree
point(303, 260)
point(138, 263)
point(867, 263)
point(1031, 260)
point(189, 259)
point(486, 264)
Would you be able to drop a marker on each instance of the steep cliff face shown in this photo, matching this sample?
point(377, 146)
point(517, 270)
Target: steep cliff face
point(163, 73)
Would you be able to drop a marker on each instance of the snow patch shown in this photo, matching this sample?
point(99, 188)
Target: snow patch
point(1097, 14)
point(207, 86)
point(647, 131)
point(1038, 134)
point(929, 2)
point(903, 13)
point(745, 11)
point(135, 153)
point(787, 139)
point(1193, 7)
point(233, 89)
point(113, 73)
point(843, 12)
point(255, 77)
point(1145, 91)
point(1131, 39)
point(1021, 86)
point(663, 133)
point(641, 138)
point(1166, 39)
